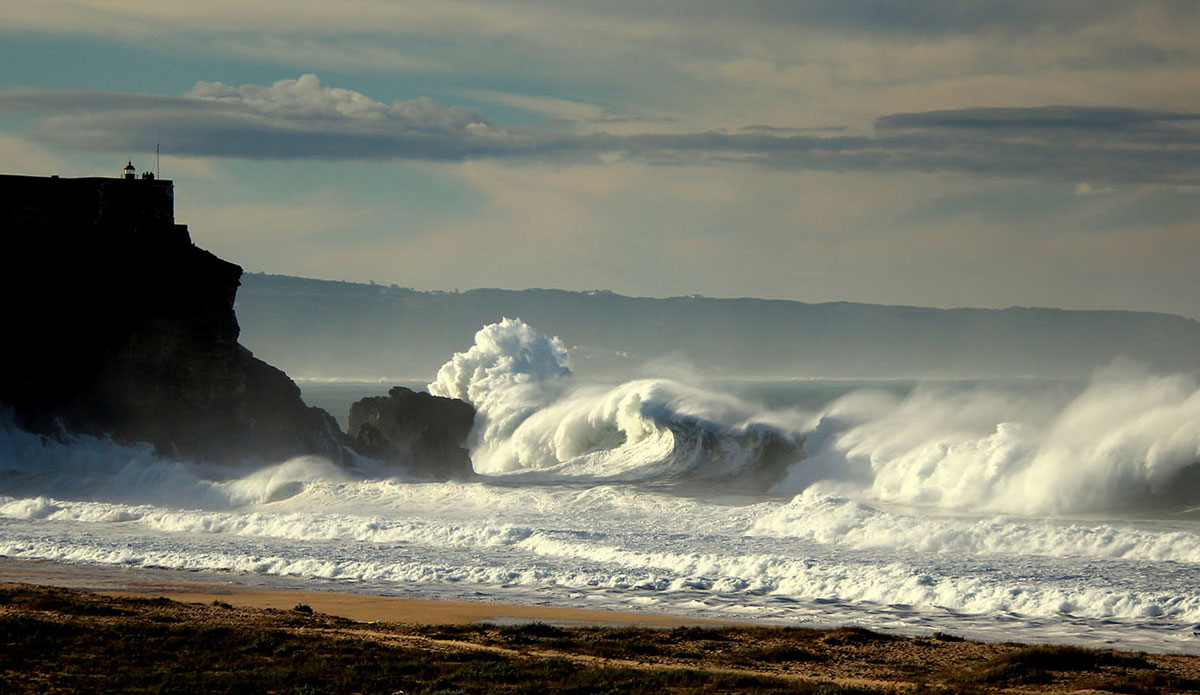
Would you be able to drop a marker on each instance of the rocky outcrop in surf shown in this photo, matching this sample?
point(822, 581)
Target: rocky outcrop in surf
point(118, 326)
point(423, 434)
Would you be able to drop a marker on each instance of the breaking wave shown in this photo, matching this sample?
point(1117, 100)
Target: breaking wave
point(829, 519)
point(1052, 509)
point(533, 420)
point(1126, 440)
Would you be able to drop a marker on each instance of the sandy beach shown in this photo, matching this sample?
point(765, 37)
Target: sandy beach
point(354, 606)
point(154, 636)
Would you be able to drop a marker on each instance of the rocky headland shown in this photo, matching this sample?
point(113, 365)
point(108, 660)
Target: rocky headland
point(117, 325)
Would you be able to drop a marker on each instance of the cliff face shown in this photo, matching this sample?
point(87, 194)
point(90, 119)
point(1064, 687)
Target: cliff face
point(116, 324)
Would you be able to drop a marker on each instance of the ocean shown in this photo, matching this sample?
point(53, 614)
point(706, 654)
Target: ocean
point(1022, 509)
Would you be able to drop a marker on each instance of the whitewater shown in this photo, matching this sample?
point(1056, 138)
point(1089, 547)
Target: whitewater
point(1018, 509)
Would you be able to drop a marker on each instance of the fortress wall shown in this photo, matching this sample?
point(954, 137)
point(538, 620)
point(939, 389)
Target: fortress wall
point(137, 204)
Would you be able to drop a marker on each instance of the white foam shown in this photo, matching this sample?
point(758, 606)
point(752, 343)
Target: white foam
point(827, 519)
point(36, 508)
point(415, 551)
point(84, 467)
point(938, 508)
point(1128, 440)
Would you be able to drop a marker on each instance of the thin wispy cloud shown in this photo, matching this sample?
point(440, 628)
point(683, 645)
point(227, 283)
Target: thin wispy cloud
point(554, 107)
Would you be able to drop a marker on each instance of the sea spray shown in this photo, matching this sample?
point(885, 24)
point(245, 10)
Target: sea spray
point(940, 506)
point(82, 467)
point(1126, 441)
point(532, 418)
point(510, 373)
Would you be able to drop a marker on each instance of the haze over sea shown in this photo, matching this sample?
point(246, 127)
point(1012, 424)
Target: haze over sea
point(1030, 509)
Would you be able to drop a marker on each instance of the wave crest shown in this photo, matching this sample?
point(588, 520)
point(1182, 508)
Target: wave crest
point(534, 421)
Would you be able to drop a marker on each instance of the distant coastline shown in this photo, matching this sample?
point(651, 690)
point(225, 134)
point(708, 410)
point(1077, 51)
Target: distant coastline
point(320, 328)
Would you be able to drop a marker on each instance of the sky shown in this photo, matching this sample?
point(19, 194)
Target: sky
point(929, 152)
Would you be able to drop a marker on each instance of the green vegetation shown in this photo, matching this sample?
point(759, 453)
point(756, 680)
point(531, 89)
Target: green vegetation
point(1034, 665)
point(714, 646)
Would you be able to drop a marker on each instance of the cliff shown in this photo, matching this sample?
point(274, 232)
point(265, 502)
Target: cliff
point(117, 325)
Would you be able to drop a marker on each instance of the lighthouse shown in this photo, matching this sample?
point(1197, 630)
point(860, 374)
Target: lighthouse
point(130, 172)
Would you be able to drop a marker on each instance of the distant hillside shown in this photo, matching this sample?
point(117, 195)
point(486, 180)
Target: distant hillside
point(315, 328)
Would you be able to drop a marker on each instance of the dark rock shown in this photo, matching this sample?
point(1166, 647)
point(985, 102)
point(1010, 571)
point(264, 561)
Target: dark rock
point(117, 325)
point(424, 434)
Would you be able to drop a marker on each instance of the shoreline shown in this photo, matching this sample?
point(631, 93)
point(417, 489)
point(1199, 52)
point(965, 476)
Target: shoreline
point(361, 607)
point(360, 604)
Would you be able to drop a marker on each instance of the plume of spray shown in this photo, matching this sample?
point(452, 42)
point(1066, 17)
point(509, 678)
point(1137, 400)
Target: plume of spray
point(1127, 440)
point(510, 373)
point(532, 417)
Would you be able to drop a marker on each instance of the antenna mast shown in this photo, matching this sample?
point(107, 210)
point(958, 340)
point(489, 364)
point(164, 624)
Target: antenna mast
point(157, 164)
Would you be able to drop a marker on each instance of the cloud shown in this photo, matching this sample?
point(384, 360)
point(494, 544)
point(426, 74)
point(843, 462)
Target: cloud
point(289, 119)
point(296, 235)
point(648, 47)
point(331, 53)
point(530, 18)
point(1083, 189)
point(1094, 143)
point(550, 106)
point(709, 64)
point(23, 157)
point(302, 118)
point(1046, 118)
point(785, 130)
point(753, 231)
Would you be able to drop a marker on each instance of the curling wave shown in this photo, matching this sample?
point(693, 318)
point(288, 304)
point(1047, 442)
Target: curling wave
point(533, 421)
point(1126, 440)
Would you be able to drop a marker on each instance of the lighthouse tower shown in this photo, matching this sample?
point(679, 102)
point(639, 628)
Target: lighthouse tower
point(130, 171)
